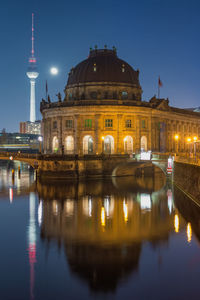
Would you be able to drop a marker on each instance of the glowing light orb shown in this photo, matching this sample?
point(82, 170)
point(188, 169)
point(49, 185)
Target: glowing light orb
point(54, 71)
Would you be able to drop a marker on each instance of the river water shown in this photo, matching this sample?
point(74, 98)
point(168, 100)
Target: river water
point(126, 238)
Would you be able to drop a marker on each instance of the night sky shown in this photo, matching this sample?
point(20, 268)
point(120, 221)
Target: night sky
point(157, 37)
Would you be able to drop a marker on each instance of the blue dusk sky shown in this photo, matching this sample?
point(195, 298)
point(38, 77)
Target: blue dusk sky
point(157, 37)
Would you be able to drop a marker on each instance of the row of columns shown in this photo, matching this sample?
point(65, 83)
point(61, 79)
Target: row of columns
point(152, 132)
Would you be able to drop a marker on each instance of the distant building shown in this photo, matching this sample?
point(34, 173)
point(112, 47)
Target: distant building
point(30, 127)
point(20, 142)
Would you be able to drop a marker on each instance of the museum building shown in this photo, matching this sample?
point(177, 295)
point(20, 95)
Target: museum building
point(103, 112)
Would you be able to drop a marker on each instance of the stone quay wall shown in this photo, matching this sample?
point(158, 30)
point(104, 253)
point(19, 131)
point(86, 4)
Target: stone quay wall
point(187, 177)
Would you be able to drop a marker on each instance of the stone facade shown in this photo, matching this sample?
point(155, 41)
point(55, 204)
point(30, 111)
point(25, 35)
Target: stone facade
point(109, 117)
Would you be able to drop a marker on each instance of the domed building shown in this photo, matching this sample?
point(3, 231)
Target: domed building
point(103, 112)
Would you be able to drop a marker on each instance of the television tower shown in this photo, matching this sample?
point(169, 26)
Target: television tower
point(32, 74)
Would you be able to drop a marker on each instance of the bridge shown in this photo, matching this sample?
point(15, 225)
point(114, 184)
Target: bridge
point(56, 166)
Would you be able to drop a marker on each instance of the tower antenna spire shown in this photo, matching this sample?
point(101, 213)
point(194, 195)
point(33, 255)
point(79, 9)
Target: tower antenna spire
point(32, 51)
point(32, 59)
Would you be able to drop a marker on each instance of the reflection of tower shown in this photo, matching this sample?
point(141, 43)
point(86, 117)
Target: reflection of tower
point(32, 241)
point(32, 74)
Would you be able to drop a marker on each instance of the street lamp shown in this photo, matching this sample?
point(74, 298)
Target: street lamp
point(102, 138)
point(176, 137)
point(40, 139)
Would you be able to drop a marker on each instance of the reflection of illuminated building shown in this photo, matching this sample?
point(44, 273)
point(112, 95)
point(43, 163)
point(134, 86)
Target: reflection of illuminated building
point(32, 241)
point(145, 201)
point(102, 232)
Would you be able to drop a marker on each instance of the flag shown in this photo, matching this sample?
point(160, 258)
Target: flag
point(159, 82)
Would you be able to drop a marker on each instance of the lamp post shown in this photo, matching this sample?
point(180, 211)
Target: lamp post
point(195, 145)
point(189, 143)
point(176, 137)
point(102, 138)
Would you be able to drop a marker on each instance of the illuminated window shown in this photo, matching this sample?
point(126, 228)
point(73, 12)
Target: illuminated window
point(124, 95)
point(109, 123)
point(88, 123)
point(95, 67)
point(69, 123)
point(123, 68)
point(128, 124)
point(54, 124)
point(143, 124)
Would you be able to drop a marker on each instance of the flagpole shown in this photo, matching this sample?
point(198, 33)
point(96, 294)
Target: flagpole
point(46, 91)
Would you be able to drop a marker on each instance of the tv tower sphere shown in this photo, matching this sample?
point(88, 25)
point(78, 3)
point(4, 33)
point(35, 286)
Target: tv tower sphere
point(32, 74)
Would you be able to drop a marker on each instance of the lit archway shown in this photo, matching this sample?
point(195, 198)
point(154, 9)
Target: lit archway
point(109, 144)
point(69, 144)
point(143, 145)
point(128, 144)
point(55, 145)
point(87, 144)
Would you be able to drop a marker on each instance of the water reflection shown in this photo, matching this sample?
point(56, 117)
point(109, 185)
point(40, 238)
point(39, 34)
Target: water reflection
point(102, 227)
point(32, 242)
point(108, 231)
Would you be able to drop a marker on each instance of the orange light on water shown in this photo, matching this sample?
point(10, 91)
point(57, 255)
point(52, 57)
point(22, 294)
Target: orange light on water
point(176, 223)
point(103, 217)
point(125, 210)
point(189, 232)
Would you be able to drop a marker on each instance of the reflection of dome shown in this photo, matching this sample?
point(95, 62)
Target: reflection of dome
point(109, 68)
point(103, 267)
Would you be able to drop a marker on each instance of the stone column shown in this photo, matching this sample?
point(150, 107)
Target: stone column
point(49, 136)
point(119, 141)
point(60, 137)
point(77, 149)
point(149, 139)
point(97, 137)
point(138, 134)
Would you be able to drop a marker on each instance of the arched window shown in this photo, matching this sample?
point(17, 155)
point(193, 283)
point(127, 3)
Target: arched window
point(69, 144)
point(143, 143)
point(109, 144)
point(124, 95)
point(128, 144)
point(87, 144)
point(55, 145)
